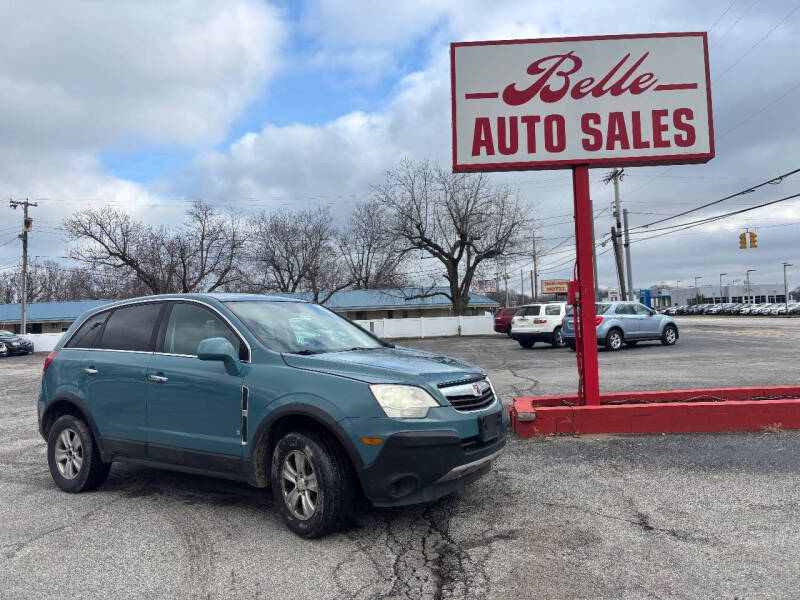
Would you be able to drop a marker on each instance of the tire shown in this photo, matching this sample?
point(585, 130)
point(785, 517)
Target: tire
point(614, 340)
point(526, 343)
point(558, 339)
point(508, 331)
point(73, 458)
point(309, 457)
point(669, 336)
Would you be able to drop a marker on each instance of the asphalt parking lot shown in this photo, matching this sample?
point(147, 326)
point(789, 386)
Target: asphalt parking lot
point(679, 516)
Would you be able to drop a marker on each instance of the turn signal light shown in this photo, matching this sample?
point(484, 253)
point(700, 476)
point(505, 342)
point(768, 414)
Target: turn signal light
point(372, 441)
point(598, 320)
point(48, 360)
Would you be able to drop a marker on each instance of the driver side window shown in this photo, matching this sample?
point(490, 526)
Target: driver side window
point(642, 310)
point(190, 324)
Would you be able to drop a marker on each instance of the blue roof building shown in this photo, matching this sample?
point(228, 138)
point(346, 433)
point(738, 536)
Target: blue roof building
point(55, 317)
point(45, 317)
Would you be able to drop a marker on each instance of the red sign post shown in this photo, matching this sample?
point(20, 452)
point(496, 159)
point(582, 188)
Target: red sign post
point(577, 102)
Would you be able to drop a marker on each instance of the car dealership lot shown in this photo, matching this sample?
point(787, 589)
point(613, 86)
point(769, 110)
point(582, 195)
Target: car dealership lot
point(596, 517)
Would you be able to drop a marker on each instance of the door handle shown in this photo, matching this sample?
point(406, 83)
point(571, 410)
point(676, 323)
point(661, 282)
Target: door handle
point(157, 378)
point(90, 371)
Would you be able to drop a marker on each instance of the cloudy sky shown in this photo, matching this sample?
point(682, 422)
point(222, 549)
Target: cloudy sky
point(148, 106)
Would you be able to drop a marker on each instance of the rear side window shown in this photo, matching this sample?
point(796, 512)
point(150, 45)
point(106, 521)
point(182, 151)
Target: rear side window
point(88, 334)
point(552, 309)
point(625, 309)
point(190, 324)
point(131, 327)
point(529, 311)
point(601, 309)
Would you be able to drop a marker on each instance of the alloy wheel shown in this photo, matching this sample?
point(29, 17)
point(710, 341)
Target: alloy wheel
point(299, 485)
point(69, 454)
point(670, 335)
point(616, 340)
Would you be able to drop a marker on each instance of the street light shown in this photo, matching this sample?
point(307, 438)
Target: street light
point(747, 287)
point(720, 286)
point(786, 287)
point(696, 293)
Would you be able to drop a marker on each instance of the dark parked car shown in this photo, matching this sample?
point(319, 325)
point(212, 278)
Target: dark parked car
point(502, 320)
point(16, 344)
point(277, 392)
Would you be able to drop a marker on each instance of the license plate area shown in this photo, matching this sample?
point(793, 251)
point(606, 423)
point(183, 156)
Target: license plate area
point(489, 426)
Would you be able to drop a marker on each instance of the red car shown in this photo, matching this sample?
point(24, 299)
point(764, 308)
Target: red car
point(502, 320)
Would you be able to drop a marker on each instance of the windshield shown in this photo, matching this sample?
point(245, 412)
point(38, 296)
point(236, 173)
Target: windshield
point(299, 327)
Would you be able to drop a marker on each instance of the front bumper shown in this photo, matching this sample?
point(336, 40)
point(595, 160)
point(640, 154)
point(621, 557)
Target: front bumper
point(420, 466)
point(26, 349)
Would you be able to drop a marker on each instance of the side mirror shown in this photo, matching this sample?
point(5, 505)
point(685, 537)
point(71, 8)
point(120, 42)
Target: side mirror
point(220, 349)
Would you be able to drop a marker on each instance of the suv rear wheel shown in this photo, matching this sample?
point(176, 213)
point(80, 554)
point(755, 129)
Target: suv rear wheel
point(558, 339)
point(614, 340)
point(311, 483)
point(72, 456)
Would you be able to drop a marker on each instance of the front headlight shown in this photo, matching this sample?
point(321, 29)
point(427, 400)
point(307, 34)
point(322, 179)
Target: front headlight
point(403, 401)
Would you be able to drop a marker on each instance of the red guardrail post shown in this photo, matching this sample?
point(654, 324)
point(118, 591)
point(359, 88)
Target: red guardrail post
point(583, 250)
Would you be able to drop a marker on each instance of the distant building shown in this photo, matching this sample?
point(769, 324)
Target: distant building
point(757, 292)
point(56, 317)
point(397, 303)
point(45, 317)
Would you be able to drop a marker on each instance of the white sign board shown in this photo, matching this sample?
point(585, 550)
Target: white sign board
point(599, 101)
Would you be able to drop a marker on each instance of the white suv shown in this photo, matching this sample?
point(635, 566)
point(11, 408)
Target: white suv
point(539, 323)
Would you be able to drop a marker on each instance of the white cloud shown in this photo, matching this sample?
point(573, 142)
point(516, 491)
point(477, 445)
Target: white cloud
point(103, 74)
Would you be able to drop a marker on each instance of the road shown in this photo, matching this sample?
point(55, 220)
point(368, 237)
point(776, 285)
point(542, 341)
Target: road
point(689, 516)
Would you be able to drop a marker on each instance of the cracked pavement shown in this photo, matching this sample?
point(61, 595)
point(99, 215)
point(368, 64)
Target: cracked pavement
point(689, 516)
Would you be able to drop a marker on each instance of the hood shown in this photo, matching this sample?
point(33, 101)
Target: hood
point(380, 365)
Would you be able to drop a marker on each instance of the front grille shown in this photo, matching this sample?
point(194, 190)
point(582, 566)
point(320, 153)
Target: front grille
point(463, 398)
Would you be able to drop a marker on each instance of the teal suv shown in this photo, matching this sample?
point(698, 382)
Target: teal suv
point(273, 391)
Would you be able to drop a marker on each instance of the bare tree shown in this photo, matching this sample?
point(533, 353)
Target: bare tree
point(373, 254)
point(459, 219)
point(199, 256)
point(294, 251)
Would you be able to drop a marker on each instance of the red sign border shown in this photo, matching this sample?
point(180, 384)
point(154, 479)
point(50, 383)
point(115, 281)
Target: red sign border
point(633, 161)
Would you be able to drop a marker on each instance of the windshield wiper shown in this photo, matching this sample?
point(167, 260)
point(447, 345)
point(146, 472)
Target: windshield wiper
point(306, 352)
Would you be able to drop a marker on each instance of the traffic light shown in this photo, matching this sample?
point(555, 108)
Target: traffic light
point(742, 241)
point(753, 239)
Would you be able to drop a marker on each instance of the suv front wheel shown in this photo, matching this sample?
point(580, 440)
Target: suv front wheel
point(72, 456)
point(311, 483)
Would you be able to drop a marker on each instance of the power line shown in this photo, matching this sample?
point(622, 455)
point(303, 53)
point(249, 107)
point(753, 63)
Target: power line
point(698, 222)
point(719, 18)
point(735, 23)
point(751, 48)
point(773, 181)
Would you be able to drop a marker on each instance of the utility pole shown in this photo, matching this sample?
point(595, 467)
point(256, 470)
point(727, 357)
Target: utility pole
point(535, 276)
point(615, 177)
point(697, 290)
point(747, 278)
point(522, 285)
point(628, 254)
point(594, 255)
point(618, 261)
point(27, 224)
point(533, 299)
point(786, 288)
point(720, 287)
point(505, 276)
